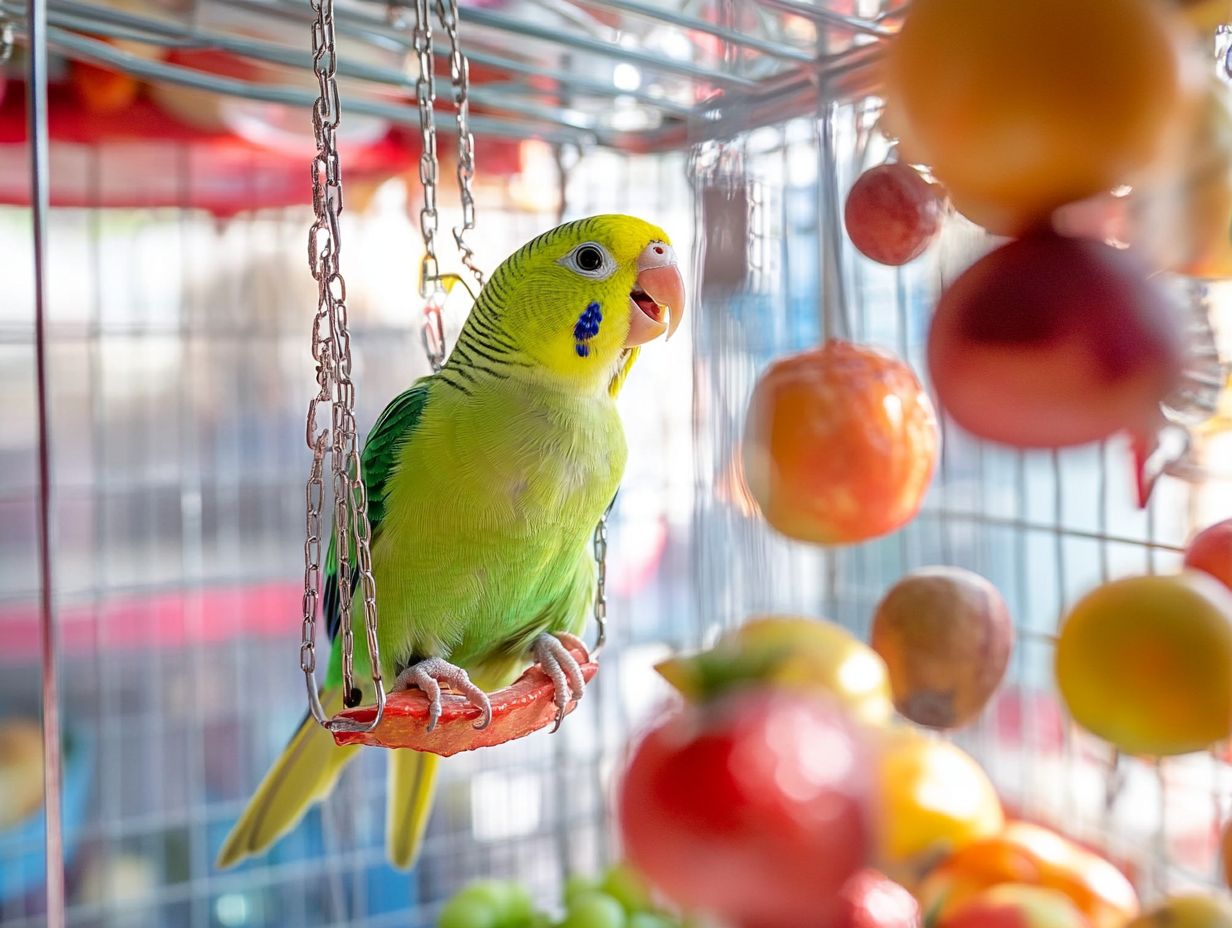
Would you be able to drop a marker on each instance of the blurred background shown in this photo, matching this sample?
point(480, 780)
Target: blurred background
point(178, 346)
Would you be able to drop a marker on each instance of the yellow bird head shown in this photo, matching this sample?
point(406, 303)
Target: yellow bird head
point(573, 305)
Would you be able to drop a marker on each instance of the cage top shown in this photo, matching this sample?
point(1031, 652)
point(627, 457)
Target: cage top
point(633, 75)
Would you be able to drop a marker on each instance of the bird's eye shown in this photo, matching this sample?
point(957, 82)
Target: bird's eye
point(591, 260)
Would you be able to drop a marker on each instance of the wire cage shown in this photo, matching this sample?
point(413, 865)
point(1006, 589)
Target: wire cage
point(177, 368)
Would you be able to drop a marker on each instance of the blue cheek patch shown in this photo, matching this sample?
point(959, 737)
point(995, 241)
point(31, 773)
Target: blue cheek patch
point(587, 327)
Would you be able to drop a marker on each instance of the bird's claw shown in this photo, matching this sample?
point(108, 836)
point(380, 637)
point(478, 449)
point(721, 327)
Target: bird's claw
point(552, 654)
point(428, 675)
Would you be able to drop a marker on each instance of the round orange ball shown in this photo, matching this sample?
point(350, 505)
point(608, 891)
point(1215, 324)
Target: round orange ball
point(840, 444)
point(1024, 105)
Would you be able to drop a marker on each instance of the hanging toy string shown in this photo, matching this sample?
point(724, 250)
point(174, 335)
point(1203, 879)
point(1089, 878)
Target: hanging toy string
point(331, 348)
point(430, 286)
point(459, 75)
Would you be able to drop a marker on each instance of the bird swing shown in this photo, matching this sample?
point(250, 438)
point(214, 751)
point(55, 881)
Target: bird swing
point(399, 719)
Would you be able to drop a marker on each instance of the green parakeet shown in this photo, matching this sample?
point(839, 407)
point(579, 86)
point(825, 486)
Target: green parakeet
point(485, 482)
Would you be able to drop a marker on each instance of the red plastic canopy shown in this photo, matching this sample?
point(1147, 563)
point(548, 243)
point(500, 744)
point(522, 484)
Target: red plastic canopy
point(143, 157)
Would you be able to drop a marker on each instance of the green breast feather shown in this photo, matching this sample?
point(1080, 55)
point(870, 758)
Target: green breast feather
point(482, 507)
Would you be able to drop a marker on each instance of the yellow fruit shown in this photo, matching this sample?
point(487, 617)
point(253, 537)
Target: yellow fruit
point(1189, 911)
point(21, 770)
point(1146, 663)
point(790, 652)
point(932, 798)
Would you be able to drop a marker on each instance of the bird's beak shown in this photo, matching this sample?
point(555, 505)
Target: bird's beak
point(659, 290)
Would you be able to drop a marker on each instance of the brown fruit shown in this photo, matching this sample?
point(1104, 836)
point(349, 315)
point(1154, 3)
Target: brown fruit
point(946, 636)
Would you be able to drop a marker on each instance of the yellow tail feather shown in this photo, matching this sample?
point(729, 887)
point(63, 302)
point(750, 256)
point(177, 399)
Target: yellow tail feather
point(411, 784)
point(304, 773)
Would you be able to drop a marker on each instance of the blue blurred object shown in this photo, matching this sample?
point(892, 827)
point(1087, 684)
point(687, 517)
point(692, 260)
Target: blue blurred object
point(22, 859)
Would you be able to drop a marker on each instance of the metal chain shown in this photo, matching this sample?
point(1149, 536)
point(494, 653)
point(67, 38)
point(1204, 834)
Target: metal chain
point(331, 348)
point(429, 270)
point(601, 584)
point(460, 77)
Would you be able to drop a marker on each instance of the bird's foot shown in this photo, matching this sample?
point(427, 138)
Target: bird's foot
point(552, 654)
point(429, 674)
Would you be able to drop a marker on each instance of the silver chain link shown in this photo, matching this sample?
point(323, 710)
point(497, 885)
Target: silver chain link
point(430, 288)
point(331, 349)
point(460, 77)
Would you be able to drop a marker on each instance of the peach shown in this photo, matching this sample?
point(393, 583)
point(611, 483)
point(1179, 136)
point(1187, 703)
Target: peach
point(946, 636)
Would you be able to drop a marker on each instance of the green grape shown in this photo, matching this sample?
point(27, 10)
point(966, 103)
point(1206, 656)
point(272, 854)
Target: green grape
point(519, 907)
point(463, 912)
point(626, 886)
point(495, 893)
point(651, 920)
point(577, 886)
point(510, 902)
point(594, 910)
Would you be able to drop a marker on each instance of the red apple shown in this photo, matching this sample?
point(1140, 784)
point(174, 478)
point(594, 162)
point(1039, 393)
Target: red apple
point(872, 900)
point(753, 807)
point(1051, 341)
point(892, 213)
point(1211, 551)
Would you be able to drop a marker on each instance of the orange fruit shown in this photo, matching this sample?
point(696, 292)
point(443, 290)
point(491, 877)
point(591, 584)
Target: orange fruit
point(1029, 854)
point(1024, 105)
point(840, 444)
point(1205, 15)
point(101, 90)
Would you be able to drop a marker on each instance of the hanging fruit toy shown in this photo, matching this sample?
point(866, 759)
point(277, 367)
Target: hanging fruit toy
point(754, 807)
point(792, 653)
point(1024, 853)
point(1052, 341)
point(1015, 905)
point(840, 444)
point(1019, 108)
point(931, 799)
point(1211, 551)
point(893, 214)
point(946, 636)
point(1146, 663)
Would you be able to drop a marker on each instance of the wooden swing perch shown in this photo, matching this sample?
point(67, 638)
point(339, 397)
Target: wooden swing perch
point(523, 707)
